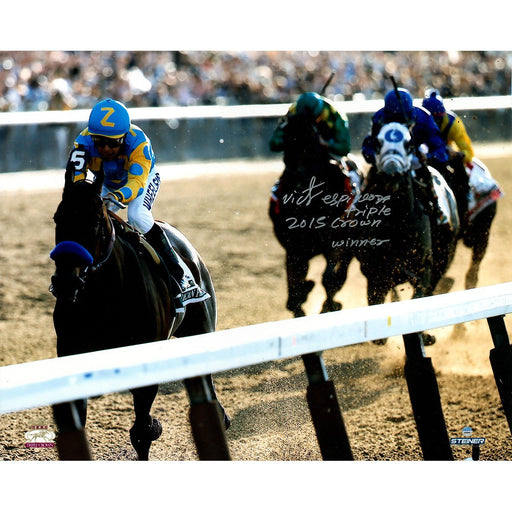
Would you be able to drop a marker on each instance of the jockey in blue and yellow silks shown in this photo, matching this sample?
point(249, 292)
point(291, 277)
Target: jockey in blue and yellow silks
point(123, 151)
point(458, 145)
point(126, 172)
point(450, 125)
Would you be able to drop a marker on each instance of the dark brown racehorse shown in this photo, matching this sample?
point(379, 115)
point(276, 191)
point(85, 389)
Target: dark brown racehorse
point(304, 203)
point(484, 193)
point(112, 291)
point(401, 243)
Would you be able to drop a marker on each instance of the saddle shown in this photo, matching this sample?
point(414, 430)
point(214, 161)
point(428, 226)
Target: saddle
point(192, 293)
point(133, 236)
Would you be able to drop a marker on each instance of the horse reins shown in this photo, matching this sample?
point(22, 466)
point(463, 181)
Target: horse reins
point(110, 245)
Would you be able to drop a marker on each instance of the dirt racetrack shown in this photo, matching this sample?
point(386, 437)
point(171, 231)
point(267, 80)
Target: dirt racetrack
point(225, 216)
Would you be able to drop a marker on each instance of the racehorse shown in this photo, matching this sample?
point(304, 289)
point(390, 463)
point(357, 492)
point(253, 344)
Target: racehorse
point(303, 203)
point(484, 193)
point(394, 237)
point(112, 290)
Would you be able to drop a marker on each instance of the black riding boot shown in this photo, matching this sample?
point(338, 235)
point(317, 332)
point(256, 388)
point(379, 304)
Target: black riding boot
point(157, 238)
point(426, 193)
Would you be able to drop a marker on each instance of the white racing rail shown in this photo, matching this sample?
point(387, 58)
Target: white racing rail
point(237, 111)
point(46, 382)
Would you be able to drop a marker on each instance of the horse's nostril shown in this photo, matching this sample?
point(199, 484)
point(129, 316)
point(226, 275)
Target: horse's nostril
point(52, 289)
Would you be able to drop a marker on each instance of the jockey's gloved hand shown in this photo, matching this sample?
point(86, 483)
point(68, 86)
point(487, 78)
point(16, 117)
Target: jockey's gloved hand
point(78, 160)
point(112, 201)
point(322, 141)
point(416, 163)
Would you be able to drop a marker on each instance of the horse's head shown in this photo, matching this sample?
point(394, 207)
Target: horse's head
point(395, 150)
point(301, 136)
point(81, 228)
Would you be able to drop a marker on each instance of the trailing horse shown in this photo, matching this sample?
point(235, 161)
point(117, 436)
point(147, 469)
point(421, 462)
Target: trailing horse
point(484, 193)
point(394, 237)
point(303, 204)
point(113, 290)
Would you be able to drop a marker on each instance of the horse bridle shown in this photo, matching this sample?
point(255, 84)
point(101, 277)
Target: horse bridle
point(109, 247)
point(93, 262)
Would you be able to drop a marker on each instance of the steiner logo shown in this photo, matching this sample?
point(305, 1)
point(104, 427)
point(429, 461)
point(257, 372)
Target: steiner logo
point(40, 437)
point(467, 439)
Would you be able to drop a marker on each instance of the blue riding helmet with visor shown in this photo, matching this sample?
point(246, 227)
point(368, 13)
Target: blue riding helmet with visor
point(398, 106)
point(109, 122)
point(434, 104)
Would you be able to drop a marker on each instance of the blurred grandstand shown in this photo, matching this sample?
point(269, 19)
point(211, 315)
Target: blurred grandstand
point(64, 80)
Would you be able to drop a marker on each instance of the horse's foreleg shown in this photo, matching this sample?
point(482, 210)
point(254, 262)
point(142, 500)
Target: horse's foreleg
point(298, 287)
point(376, 292)
point(72, 441)
point(472, 275)
point(477, 255)
point(445, 244)
point(146, 429)
point(476, 238)
point(423, 287)
point(333, 279)
point(225, 416)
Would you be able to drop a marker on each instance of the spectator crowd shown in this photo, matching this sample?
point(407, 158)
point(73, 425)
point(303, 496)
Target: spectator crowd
point(63, 80)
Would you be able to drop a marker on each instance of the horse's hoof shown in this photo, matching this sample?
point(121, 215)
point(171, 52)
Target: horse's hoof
point(330, 306)
point(297, 298)
point(428, 339)
point(381, 342)
point(445, 284)
point(142, 437)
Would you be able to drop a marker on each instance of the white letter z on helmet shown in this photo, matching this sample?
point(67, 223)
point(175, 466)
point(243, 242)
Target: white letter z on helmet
point(109, 118)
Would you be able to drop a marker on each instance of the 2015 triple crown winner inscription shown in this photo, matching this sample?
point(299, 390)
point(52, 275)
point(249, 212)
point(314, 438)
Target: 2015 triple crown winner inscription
point(367, 211)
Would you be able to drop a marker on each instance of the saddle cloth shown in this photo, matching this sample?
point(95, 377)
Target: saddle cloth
point(445, 200)
point(483, 189)
point(193, 293)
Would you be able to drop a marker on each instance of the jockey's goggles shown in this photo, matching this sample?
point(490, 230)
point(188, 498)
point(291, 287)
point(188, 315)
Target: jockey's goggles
point(100, 141)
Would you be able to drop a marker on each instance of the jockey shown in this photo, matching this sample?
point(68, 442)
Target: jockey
point(398, 107)
point(453, 133)
point(124, 152)
point(330, 125)
point(451, 126)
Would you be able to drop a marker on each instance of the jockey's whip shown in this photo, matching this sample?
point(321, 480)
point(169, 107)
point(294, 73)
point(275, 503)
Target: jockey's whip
point(395, 87)
point(329, 80)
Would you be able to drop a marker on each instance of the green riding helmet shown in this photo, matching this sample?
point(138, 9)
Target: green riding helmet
point(310, 104)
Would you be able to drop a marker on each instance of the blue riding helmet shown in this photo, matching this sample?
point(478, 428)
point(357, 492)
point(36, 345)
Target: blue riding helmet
point(433, 102)
point(398, 107)
point(310, 104)
point(109, 118)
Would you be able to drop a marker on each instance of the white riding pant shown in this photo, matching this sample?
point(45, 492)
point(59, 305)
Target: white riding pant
point(139, 212)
